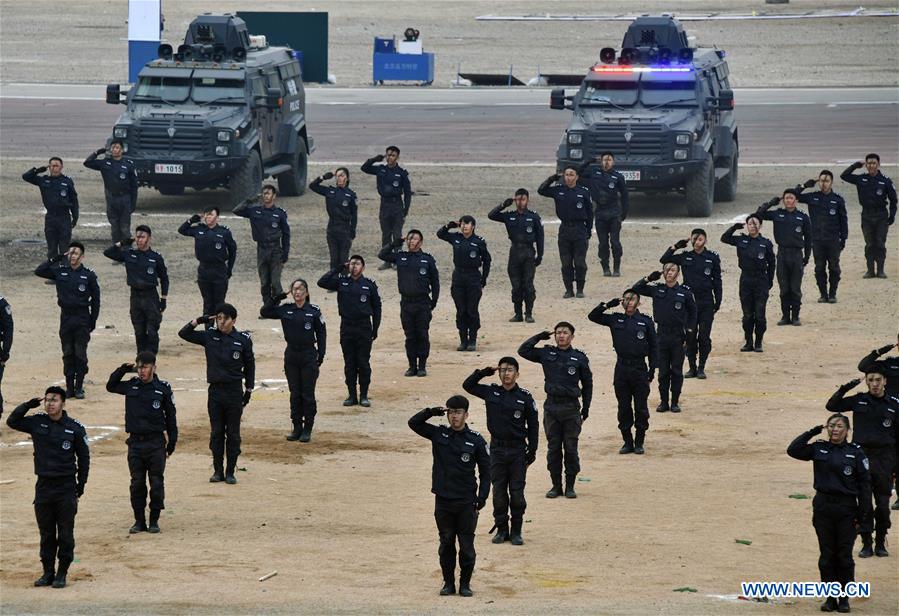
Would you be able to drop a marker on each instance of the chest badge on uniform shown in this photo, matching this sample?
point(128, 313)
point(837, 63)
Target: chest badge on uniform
point(396, 183)
point(218, 245)
point(156, 404)
point(879, 192)
point(580, 205)
point(572, 370)
point(517, 415)
point(887, 422)
point(707, 271)
point(641, 335)
point(529, 229)
point(236, 355)
point(761, 255)
point(67, 445)
point(847, 470)
point(423, 271)
point(274, 224)
point(150, 270)
point(466, 457)
point(308, 326)
point(473, 254)
point(833, 211)
point(82, 288)
point(799, 229)
point(63, 193)
point(678, 305)
point(344, 203)
point(363, 298)
point(121, 176)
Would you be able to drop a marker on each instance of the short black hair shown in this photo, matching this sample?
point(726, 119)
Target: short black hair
point(394, 148)
point(359, 257)
point(457, 402)
point(226, 309)
point(842, 417)
point(78, 245)
point(511, 361)
point(212, 208)
point(574, 168)
point(606, 153)
point(790, 191)
point(115, 141)
point(754, 215)
point(875, 368)
point(145, 357)
point(417, 232)
point(56, 389)
point(468, 218)
point(52, 158)
point(872, 155)
point(631, 290)
point(698, 231)
point(270, 187)
point(347, 172)
point(826, 172)
point(522, 191)
point(143, 228)
point(304, 283)
point(564, 324)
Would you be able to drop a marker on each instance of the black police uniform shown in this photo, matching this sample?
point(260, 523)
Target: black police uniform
point(61, 202)
point(149, 418)
point(702, 273)
point(525, 231)
point(229, 360)
point(874, 192)
point(514, 433)
point(271, 232)
point(877, 432)
point(120, 185)
point(359, 306)
point(457, 494)
point(889, 367)
point(6, 333)
point(306, 337)
point(216, 251)
point(793, 235)
point(674, 311)
point(78, 297)
point(610, 200)
point(471, 267)
point(143, 268)
point(396, 198)
point(842, 499)
point(563, 413)
point(830, 228)
point(61, 462)
point(575, 209)
point(634, 340)
point(755, 257)
point(343, 212)
point(419, 285)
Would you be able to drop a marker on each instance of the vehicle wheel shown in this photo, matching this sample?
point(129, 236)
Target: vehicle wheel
point(171, 190)
point(726, 187)
point(293, 183)
point(700, 189)
point(247, 182)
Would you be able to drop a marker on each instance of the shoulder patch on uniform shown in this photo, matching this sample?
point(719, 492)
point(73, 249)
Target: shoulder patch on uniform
point(245, 334)
point(315, 306)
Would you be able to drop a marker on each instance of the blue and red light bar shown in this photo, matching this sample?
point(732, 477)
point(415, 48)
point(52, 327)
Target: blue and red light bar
point(641, 69)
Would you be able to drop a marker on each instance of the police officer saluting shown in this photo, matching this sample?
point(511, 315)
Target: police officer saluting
point(634, 340)
point(701, 268)
point(304, 330)
point(674, 310)
point(575, 210)
point(830, 228)
point(525, 231)
point(144, 267)
point(514, 433)
point(842, 499)
point(343, 211)
point(876, 416)
point(229, 360)
point(78, 296)
point(120, 185)
point(359, 305)
point(216, 251)
point(61, 202)
point(6, 326)
point(61, 462)
point(458, 496)
point(889, 367)
point(755, 255)
point(471, 261)
point(567, 375)
point(272, 236)
point(609, 193)
point(396, 194)
point(149, 418)
point(419, 285)
point(875, 190)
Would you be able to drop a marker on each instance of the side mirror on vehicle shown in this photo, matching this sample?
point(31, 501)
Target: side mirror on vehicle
point(113, 94)
point(557, 99)
point(726, 99)
point(273, 98)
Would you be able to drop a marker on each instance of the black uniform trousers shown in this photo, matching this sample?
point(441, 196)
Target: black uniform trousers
point(562, 424)
point(213, 284)
point(827, 258)
point(268, 263)
point(118, 212)
point(58, 232)
point(415, 316)
point(608, 232)
point(468, 320)
point(456, 521)
point(881, 460)
point(355, 342)
point(701, 339)
point(146, 460)
point(391, 216)
point(833, 518)
point(339, 245)
point(874, 230)
point(789, 278)
point(671, 364)
point(753, 300)
point(56, 523)
point(632, 391)
point(146, 318)
point(225, 407)
point(2, 369)
point(522, 267)
point(74, 335)
point(573, 254)
point(507, 474)
point(301, 370)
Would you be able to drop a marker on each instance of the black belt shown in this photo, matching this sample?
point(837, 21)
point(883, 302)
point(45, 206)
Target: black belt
point(143, 289)
point(561, 398)
point(414, 298)
point(118, 194)
point(575, 222)
point(496, 442)
point(632, 361)
point(73, 309)
point(145, 437)
point(227, 384)
point(837, 498)
point(527, 243)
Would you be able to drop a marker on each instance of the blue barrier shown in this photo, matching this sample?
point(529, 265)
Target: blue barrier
point(402, 67)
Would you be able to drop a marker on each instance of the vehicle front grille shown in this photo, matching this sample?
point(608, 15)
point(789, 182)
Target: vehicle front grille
point(153, 135)
point(645, 141)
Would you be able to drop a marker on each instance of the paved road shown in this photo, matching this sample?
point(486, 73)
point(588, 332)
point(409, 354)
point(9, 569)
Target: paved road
point(473, 126)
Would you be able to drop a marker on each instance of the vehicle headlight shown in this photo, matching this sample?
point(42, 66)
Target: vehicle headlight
point(574, 138)
point(680, 155)
point(683, 139)
point(576, 153)
point(221, 150)
point(120, 132)
point(225, 135)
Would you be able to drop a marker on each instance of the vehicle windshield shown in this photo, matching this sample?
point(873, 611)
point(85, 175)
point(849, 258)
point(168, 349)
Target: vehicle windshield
point(200, 90)
point(660, 92)
point(209, 89)
point(616, 93)
point(651, 93)
point(168, 89)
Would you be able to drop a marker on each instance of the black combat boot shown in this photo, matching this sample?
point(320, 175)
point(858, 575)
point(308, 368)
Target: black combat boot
point(580, 289)
point(605, 268)
point(422, 367)
point(700, 371)
point(616, 267)
point(47, 578)
point(638, 442)
point(410, 371)
point(569, 290)
point(843, 605)
point(747, 334)
point(449, 587)
point(517, 318)
point(832, 296)
point(70, 386)
point(463, 341)
point(153, 527)
point(880, 548)
point(295, 433)
point(796, 320)
point(472, 340)
point(628, 446)
point(529, 317)
point(569, 486)
point(351, 399)
point(515, 534)
point(60, 580)
point(465, 581)
point(79, 387)
point(556, 490)
point(230, 479)
point(218, 474)
point(363, 395)
point(140, 523)
point(830, 605)
point(870, 272)
point(785, 313)
point(867, 551)
point(691, 373)
point(502, 533)
point(758, 343)
point(306, 436)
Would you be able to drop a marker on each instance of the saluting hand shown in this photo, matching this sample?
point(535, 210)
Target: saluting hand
point(195, 219)
point(613, 302)
point(127, 367)
point(681, 244)
point(328, 176)
point(508, 202)
point(34, 403)
point(852, 384)
point(545, 335)
point(809, 183)
point(654, 276)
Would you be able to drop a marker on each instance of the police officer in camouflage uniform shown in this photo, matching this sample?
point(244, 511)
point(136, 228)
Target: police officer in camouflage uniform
point(875, 191)
point(830, 228)
point(575, 209)
point(271, 232)
point(152, 434)
point(120, 185)
point(609, 192)
point(6, 327)
point(340, 203)
point(525, 231)
point(144, 267)
point(396, 194)
point(216, 251)
point(61, 202)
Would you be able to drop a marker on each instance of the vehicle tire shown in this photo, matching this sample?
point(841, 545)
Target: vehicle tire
point(293, 183)
point(247, 182)
point(726, 187)
point(171, 190)
point(700, 190)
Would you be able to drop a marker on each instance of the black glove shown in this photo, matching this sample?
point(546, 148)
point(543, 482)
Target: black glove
point(280, 297)
point(57, 258)
point(613, 302)
point(246, 396)
point(805, 260)
point(842, 244)
point(127, 242)
point(654, 276)
point(328, 176)
point(538, 261)
point(544, 335)
point(435, 411)
point(452, 224)
point(483, 282)
point(851, 384)
point(891, 220)
point(530, 457)
point(585, 413)
point(378, 158)
point(809, 183)
point(736, 225)
point(40, 169)
point(857, 165)
point(100, 151)
point(162, 304)
point(194, 219)
point(772, 202)
point(33, 403)
point(651, 375)
point(75, 221)
point(816, 430)
point(202, 320)
point(93, 325)
point(508, 202)
point(481, 503)
point(79, 489)
point(320, 360)
point(374, 335)
point(283, 259)
point(433, 304)
point(488, 370)
point(884, 349)
point(126, 367)
point(170, 448)
point(680, 244)
point(555, 177)
point(717, 307)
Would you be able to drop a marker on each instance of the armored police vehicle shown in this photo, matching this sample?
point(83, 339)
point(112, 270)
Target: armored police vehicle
point(664, 109)
point(223, 110)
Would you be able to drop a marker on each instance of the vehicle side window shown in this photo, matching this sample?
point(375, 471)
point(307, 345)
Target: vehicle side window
point(257, 87)
point(274, 81)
